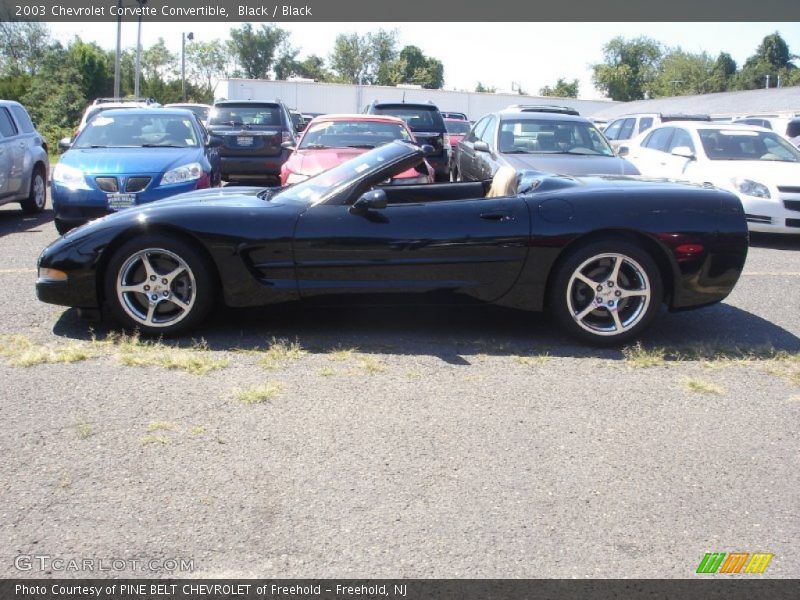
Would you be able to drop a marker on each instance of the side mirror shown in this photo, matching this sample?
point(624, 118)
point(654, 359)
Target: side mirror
point(214, 141)
point(301, 127)
point(371, 200)
point(65, 144)
point(683, 151)
point(623, 151)
point(428, 150)
point(288, 145)
point(481, 146)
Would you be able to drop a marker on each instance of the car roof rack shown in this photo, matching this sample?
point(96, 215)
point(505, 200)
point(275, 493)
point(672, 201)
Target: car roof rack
point(125, 99)
point(665, 118)
point(544, 108)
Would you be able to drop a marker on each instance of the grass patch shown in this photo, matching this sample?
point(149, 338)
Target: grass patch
point(20, 351)
point(341, 353)
point(161, 426)
point(151, 438)
point(197, 359)
point(537, 359)
point(703, 387)
point(198, 430)
point(259, 394)
point(84, 430)
point(372, 365)
point(639, 357)
point(281, 351)
point(327, 372)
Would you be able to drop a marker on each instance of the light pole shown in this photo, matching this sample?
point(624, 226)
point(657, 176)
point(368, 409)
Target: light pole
point(119, 49)
point(184, 37)
point(138, 51)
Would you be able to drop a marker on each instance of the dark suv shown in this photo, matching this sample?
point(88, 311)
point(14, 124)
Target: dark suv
point(255, 138)
point(426, 123)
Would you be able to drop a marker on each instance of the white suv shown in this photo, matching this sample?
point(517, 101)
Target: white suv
point(628, 127)
point(788, 127)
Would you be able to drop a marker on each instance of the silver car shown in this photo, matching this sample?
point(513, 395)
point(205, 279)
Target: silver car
point(23, 159)
point(546, 139)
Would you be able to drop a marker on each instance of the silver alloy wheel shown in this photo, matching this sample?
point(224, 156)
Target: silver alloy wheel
point(38, 190)
point(608, 294)
point(156, 287)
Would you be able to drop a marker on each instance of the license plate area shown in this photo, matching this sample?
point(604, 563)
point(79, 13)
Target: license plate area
point(245, 141)
point(121, 201)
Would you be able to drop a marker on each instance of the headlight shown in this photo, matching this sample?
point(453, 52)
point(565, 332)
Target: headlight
point(750, 187)
point(408, 180)
point(188, 172)
point(295, 178)
point(70, 177)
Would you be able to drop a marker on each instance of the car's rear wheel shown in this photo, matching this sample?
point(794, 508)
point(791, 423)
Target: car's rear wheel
point(607, 292)
point(159, 285)
point(37, 195)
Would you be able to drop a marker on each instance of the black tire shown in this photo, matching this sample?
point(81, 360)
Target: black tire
point(62, 227)
point(182, 299)
point(635, 295)
point(37, 194)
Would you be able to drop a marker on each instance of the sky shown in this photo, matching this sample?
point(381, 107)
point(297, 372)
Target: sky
point(529, 54)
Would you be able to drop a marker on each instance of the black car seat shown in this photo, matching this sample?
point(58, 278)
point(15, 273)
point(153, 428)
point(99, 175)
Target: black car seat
point(507, 140)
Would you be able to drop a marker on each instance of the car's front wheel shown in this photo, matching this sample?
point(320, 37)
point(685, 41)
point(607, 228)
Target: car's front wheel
point(159, 285)
point(606, 292)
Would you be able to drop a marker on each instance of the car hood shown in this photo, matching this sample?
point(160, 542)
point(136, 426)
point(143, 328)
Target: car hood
point(570, 164)
point(763, 171)
point(120, 161)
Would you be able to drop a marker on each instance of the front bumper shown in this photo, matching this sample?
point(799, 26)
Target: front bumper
point(771, 215)
point(79, 206)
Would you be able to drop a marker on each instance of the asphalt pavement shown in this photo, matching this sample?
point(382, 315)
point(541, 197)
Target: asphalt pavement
point(399, 442)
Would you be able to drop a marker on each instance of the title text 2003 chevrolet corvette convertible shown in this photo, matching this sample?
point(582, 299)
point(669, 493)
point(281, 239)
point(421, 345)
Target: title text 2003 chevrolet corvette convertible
point(603, 254)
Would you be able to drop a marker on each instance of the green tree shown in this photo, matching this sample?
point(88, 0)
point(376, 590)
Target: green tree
point(416, 68)
point(158, 62)
point(722, 72)
point(562, 89)
point(628, 68)
point(256, 49)
point(351, 58)
point(383, 56)
point(23, 46)
point(487, 89)
point(313, 67)
point(772, 59)
point(207, 62)
point(684, 73)
point(94, 66)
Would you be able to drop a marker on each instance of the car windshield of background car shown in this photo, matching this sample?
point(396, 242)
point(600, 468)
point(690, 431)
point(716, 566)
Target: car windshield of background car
point(544, 136)
point(352, 134)
point(721, 144)
point(138, 131)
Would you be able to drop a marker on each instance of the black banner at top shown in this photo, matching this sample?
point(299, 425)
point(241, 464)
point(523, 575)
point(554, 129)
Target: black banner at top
point(400, 10)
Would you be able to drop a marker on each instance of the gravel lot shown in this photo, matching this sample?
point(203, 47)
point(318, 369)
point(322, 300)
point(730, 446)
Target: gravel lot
point(401, 442)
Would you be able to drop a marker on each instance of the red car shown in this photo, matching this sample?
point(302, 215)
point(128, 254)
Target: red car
point(456, 130)
point(329, 140)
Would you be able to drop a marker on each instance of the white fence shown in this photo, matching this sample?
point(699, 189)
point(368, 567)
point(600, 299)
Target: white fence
point(343, 98)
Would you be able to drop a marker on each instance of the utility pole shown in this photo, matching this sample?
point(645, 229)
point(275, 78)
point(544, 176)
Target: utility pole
point(767, 86)
point(190, 35)
point(119, 49)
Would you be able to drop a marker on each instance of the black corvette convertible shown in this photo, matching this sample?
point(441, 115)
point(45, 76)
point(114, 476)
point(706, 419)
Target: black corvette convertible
point(602, 254)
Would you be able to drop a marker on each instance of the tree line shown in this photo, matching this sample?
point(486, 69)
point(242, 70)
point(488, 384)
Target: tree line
point(56, 81)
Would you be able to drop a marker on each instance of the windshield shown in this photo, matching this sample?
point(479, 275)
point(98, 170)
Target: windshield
point(737, 144)
point(457, 127)
point(320, 187)
point(547, 136)
point(201, 112)
point(249, 115)
point(418, 118)
point(352, 134)
point(138, 131)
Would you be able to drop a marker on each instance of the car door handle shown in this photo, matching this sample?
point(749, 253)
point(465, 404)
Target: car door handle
point(500, 215)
